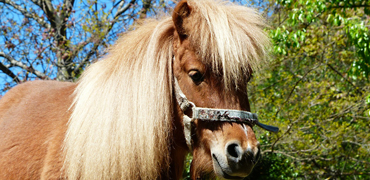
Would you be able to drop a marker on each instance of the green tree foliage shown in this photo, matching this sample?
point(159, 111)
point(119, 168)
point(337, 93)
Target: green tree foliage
point(316, 89)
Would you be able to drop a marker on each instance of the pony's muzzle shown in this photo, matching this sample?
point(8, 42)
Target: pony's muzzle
point(237, 162)
point(236, 154)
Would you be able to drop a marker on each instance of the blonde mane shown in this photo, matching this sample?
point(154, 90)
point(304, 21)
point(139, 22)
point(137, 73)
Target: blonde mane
point(230, 36)
point(122, 116)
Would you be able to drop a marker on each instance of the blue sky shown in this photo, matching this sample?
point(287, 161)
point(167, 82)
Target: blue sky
point(80, 8)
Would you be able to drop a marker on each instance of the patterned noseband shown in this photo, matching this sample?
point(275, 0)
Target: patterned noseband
point(211, 114)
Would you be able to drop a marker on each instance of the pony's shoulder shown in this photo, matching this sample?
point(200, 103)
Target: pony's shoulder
point(44, 84)
point(31, 87)
point(40, 90)
point(33, 118)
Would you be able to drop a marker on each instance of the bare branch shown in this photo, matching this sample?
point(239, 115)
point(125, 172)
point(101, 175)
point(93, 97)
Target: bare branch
point(294, 87)
point(362, 117)
point(351, 6)
point(296, 158)
point(120, 11)
point(68, 4)
point(358, 90)
point(66, 13)
point(37, 2)
point(87, 58)
point(8, 72)
point(30, 69)
point(145, 8)
point(123, 9)
point(48, 9)
point(26, 13)
point(111, 10)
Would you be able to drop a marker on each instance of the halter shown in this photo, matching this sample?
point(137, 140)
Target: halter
point(211, 114)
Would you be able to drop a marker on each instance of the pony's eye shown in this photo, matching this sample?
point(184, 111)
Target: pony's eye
point(196, 76)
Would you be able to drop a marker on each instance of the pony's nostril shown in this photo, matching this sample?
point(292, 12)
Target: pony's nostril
point(232, 150)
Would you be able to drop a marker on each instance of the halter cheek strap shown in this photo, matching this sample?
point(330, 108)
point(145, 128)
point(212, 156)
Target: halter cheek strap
point(211, 114)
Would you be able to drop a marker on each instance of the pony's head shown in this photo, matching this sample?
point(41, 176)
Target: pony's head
point(126, 123)
point(216, 47)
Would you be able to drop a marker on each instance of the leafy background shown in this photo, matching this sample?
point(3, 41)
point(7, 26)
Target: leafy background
point(315, 87)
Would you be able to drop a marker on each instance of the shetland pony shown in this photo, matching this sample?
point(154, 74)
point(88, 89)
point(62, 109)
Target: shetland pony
point(121, 120)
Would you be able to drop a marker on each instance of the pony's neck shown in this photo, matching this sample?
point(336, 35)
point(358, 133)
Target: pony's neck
point(179, 149)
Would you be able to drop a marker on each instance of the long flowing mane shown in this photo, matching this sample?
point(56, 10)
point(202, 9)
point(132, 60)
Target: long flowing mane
point(122, 113)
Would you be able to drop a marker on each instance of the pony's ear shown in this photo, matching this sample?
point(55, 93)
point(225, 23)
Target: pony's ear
point(182, 11)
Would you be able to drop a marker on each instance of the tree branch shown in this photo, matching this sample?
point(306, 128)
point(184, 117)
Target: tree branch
point(77, 70)
point(26, 13)
point(68, 4)
point(146, 6)
point(296, 158)
point(8, 72)
point(37, 2)
point(114, 6)
point(30, 69)
point(48, 9)
point(351, 6)
point(358, 90)
point(120, 11)
point(294, 87)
